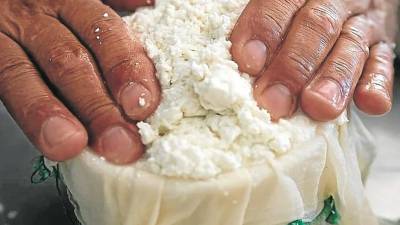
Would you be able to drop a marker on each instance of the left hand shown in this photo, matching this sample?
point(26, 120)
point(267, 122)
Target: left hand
point(72, 75)
point(317, 54)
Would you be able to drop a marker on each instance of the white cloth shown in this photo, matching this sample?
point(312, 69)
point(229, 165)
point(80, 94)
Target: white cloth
point(280, 191)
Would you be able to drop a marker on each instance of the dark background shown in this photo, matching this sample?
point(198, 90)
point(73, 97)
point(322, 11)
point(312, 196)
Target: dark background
point(35, 204)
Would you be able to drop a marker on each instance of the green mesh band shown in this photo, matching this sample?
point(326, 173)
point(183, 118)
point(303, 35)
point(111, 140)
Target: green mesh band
point(41, 173)
point(297, 222)
point(328, 214)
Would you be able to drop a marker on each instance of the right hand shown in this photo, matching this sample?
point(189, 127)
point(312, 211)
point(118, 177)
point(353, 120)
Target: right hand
point(54, 55)
point(318, 55)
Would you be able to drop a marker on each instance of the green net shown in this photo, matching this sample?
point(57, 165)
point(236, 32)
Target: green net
point(41, 172)
point(328, 214)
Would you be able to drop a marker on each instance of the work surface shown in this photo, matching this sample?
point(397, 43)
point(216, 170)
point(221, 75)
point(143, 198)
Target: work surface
point(22, 203)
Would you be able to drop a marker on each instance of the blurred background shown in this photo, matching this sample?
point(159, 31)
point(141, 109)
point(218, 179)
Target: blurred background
point(22, 203)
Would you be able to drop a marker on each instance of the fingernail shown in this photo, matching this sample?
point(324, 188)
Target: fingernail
point(329, 90)
point(135, 99)
point(254, 56)
point(117, 145)
point(278, 100)
point(56, 131)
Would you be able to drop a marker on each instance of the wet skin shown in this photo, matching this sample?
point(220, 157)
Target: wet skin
point(71, 75)
point(92, 74)
point(318, 55)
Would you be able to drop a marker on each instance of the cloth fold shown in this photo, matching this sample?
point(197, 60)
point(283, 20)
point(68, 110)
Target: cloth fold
point(279, 191)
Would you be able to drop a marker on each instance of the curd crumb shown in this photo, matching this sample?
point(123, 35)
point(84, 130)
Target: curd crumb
point(142, 102)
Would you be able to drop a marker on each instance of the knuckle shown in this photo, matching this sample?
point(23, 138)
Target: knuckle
point(363, 6)
point(269, 21)
point(357, 39)
point(64, 52)
point(14, 64)
point(112, 43)
point(380, 80)
point(342, 69)
point(14, 68)
point(42, 104)
point(100, 108)
point(105, 29)
point(374, 68)
point(324, 19)
point(68, 59)
point(342, 73)
point(355, 32)
point(301, 66)
point(273, 17)
point(383, 56)
point(296, 3)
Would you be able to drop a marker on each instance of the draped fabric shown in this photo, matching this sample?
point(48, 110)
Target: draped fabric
point(279, 191)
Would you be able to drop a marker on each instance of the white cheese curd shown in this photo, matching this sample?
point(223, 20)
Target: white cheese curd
point(208, 121)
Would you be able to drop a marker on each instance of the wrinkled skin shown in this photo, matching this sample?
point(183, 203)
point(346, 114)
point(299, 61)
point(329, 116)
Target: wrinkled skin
point(318, 54)
point(71, 75)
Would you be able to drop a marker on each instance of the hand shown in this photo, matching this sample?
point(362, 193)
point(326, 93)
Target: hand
point(316, 54)
point(53, 59)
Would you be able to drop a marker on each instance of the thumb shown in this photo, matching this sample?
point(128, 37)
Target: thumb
point(128, 5)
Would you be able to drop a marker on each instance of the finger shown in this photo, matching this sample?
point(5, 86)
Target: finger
point(263, 25)
point(71, 69)
point(328, 94)
point(129, 72)
point(259, 31)
point(44, 119)
point(312, 35)
point(128, 5)
point(373, 93)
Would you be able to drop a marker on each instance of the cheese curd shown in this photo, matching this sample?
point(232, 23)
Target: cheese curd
point(208, 121)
